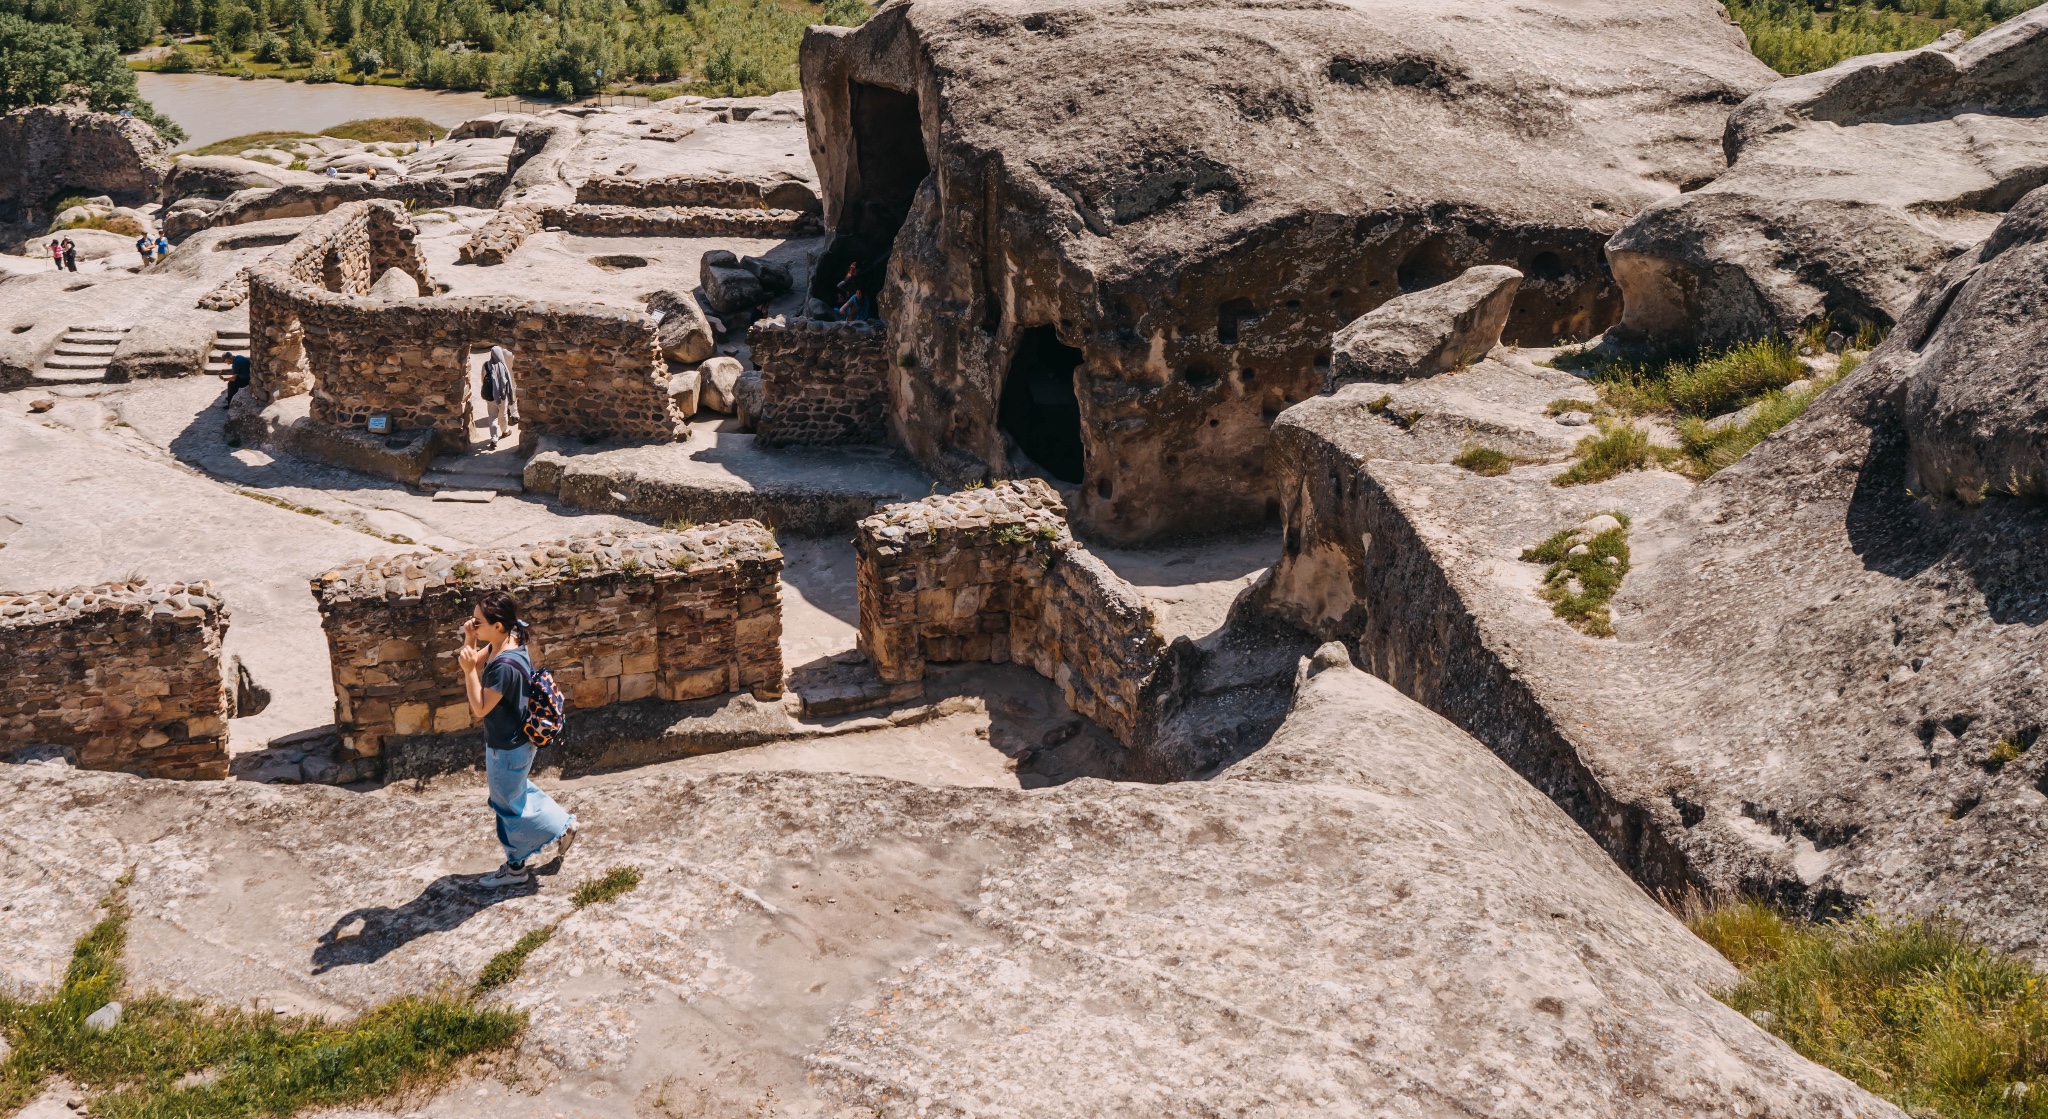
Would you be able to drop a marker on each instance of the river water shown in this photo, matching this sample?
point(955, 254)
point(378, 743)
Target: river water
point(212, 107)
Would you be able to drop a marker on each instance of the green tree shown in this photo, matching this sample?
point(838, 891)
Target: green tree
point(49, 64)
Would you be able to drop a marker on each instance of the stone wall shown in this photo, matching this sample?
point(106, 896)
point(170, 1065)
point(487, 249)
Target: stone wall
point(511, 226)
point(47, 148)
point(297, 200)
point(671, 616)
point(822, 383)
point(127, 675)
point(993, 575)
point(581, 369)
point(732, 192)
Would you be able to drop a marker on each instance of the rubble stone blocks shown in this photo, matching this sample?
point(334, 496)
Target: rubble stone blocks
point(822, 383)
point(582, 369)
point(510, 227)
point(128, 675)
point(994, 575)
point(700, 189)
point(47, 149)
point(617, 618)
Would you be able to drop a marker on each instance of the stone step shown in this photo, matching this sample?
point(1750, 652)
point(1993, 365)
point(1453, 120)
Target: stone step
point(502, 463)
point(475, 497)
point(79, 334)
point(84, 349)
point(48, 376)
point(99, 362)
point(437, 480)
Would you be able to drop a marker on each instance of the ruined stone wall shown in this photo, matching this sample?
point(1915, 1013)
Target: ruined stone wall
point(580, 369)
point(822, 383)
point(732, 192)
point(617, 618)
point(993, 575)
point(480, 189)
point(511, 226)
point(127, 675)
point(46, 148)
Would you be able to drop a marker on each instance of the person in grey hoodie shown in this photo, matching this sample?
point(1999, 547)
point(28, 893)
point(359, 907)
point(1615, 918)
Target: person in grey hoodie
point(498, 393)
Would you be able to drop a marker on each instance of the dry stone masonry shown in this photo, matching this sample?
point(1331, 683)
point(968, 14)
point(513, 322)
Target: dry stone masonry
point(993, 575)
point(510, 227)
point(672, 616)
point(127, 675)
point(822, 383)
point(730, 192)
point(582, 369)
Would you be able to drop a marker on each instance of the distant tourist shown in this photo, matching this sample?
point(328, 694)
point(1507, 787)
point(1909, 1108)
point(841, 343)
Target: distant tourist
point(499, 394)
point(57, 254)
point(70, 255)
point(504, 688)
point(373, 174)
point(163, 246)
point(238, 377)
point(146, 245)
point(855, 308)
point(331, 173)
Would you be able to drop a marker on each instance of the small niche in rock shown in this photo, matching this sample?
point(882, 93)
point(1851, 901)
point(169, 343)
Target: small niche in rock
point(23, 328)
point(77, 287)
point(252, 241)
point(1547, 266)
point(618, 262)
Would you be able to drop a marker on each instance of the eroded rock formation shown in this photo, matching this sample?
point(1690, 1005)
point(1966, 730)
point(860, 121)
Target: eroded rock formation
point(48, 150)
point(1846, 189)
point(1123, 235)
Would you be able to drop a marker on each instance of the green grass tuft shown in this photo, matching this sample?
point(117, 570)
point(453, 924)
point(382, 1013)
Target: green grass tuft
point(616, 881)
point(262, 1065)
point(1485, 461)
point(1579, 587)
point(506, 966)
point(1616, 450)
point(400, 130)
point(1913, 1010)
point(1730, 380)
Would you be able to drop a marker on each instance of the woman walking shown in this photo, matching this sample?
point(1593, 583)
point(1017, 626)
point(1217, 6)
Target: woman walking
point(498, 393)
point(497, 673)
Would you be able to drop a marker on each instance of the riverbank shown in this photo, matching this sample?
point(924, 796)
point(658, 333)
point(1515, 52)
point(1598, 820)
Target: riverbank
point(211, 107)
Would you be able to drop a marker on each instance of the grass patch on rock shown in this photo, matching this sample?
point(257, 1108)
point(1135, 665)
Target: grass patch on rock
point(1586, 565)
point(1912, 1010)
point(369, 130)
point(506, 966)
point(1617, 449)
point(254, 1062)
point(1705, 447)
point(615, 881)
point(1487, 462)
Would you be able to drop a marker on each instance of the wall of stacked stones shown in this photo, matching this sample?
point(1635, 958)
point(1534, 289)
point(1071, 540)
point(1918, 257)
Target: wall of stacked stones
point(734, 192)
point(509, 228)
point(672, 616)
point(580, 369)
point(822, 383)
point(993, 575)
point(127, 675)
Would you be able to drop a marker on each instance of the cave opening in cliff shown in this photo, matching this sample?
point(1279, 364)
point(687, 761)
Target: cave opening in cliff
point(888, 164)
point(1040, 409)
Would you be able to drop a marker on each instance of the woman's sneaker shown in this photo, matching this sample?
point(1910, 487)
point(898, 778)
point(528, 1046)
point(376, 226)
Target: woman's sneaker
point(507, 875)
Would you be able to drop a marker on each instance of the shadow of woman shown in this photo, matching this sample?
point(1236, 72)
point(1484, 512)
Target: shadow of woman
point(445, 904)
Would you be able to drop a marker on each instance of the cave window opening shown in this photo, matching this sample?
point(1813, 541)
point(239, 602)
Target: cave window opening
point(1229, 316)
point(1040, 409)
point(888, 164)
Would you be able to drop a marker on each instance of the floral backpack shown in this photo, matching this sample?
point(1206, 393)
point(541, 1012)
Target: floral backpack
point(546, 710)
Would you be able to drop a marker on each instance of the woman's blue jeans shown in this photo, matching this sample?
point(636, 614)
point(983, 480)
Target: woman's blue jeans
point(528, 819)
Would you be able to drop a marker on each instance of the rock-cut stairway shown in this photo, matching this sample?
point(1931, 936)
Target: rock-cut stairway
point(227, 346)
point(82, 355)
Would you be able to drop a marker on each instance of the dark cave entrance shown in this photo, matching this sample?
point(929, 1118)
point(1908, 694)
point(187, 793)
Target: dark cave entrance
point(1039, 408)
point(888, 164)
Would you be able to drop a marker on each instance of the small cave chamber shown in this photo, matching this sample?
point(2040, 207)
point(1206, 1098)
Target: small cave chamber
point(1040, 410)
point(888, 164)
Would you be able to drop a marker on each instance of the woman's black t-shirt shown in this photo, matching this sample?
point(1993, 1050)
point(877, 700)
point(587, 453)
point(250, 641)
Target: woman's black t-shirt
point(505, 724)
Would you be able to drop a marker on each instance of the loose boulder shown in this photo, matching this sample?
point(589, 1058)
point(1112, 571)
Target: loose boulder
point(727, 286)
point(684, 331)
point(1846, 190)
point(1429, 332)
point(721, 377)
point(395, 283)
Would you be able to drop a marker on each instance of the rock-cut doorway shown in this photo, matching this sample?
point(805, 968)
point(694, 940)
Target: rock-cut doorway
point(1039, 409)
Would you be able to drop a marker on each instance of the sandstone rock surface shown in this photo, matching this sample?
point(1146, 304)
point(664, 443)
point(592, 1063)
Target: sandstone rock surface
point(46, 150)
point(1824, 684)
point(685, 332)
point(1846, 189)
point(721, 376)
point(1174, 209)
point(1427, 332)
point(1373, 912)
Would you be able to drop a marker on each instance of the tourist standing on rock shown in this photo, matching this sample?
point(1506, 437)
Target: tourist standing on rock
point(146, 245)
point(500, 679)
point(163, 246)
point(498, 393)
point(70, 255)
point(57, 254)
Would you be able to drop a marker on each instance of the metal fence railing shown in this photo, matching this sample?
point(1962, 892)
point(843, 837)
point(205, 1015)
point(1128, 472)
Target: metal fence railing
point(602, 100)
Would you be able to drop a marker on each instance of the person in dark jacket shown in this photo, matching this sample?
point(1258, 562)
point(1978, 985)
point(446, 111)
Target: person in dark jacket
point(237, 377)
point(70, 255)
